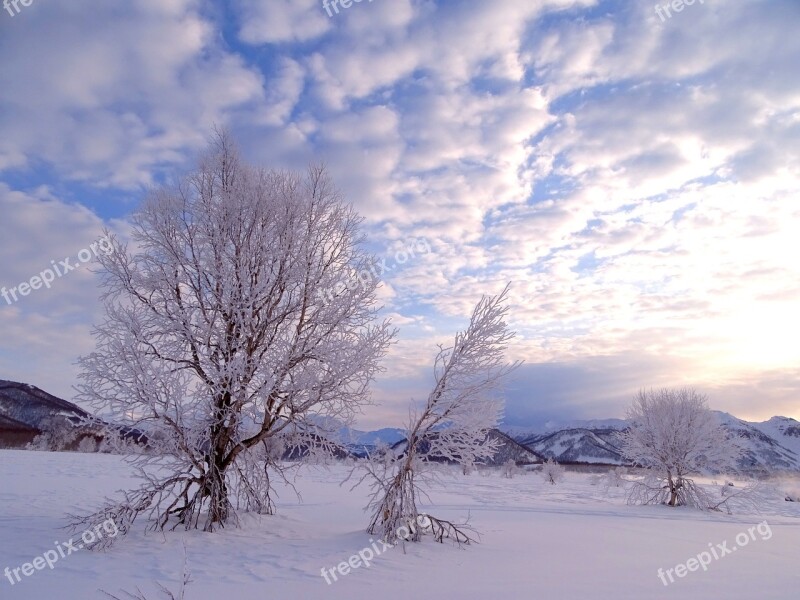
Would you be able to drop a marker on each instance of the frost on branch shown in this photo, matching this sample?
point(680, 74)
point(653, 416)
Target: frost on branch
point(674, 436)
point(218, 343)
point(451, 427)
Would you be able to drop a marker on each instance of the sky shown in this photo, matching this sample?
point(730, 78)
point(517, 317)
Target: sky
point(630, 168)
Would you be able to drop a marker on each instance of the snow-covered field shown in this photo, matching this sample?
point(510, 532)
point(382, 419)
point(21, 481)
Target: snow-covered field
point(567, 541)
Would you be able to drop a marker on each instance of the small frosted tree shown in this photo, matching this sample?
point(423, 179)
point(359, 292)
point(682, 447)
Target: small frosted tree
point(217, 342)
point(674, 435)
point(614, 478)
point(467, 468)
point(57, 433)
point(87, 444)
point(510, 468)
point(452, 426)
point(552, 472)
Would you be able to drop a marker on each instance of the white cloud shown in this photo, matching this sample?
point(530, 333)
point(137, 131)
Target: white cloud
point(46, 330)
point(634, 179)
point(281, 20)
point(113, 95)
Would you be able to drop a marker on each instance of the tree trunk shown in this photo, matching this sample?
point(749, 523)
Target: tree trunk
point(673, 490)
point(216, 491)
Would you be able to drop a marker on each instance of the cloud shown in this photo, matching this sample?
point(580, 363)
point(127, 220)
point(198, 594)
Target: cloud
point(114, 95)
point(46, 330)
point(281, 21)
point(634, 179)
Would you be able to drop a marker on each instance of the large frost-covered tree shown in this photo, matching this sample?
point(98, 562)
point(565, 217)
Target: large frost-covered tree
point(674, 435)
point(452, 426)
point(217, 342)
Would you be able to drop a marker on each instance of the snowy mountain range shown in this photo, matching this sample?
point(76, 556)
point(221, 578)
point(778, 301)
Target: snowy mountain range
point(507, 449)
point(29, 406)
point(369, 439)
point(577, 445)
point(27, 411)
point(518, 432)
point(772, 445)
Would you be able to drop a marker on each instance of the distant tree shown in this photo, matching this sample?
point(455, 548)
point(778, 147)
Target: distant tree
point(467, 468)
point(614, 478)
point(115, 441)
point(510, 469)
point(674, 435)
point(217, 343)
point(453, 426)
point(87, 444)
point(552, 471)
point(57, 433)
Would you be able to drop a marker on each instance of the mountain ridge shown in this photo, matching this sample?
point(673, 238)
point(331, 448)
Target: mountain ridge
point(771, 445)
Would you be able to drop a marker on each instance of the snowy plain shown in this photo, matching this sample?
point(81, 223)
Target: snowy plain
point(571, 540)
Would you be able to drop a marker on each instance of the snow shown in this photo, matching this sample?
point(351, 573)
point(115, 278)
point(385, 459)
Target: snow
point(570, 540)
point(776, 429)
point(519, 432)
